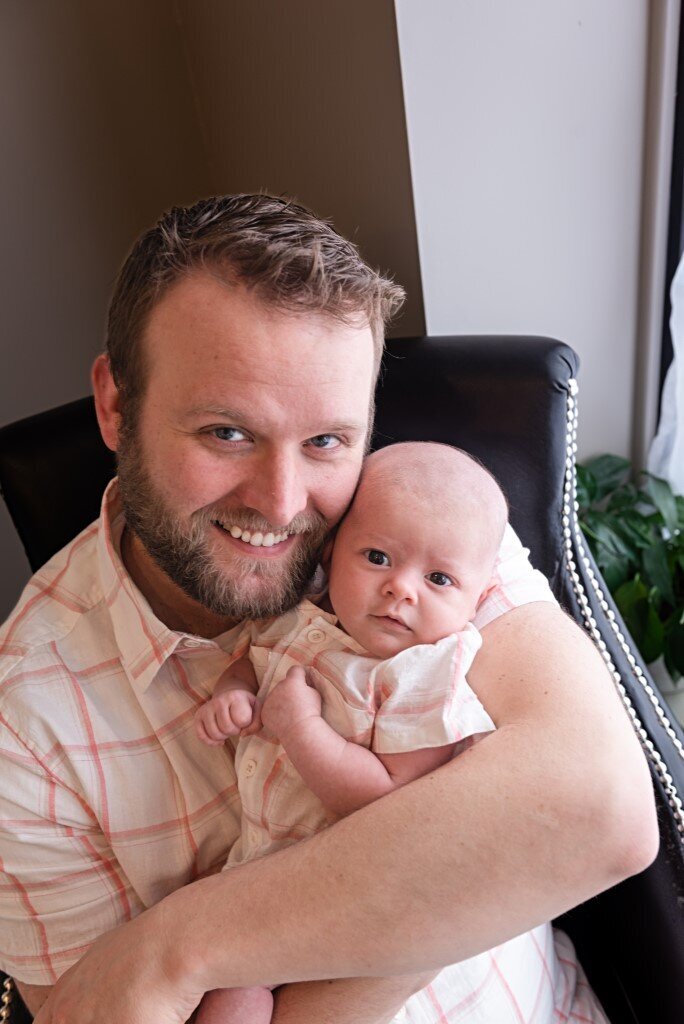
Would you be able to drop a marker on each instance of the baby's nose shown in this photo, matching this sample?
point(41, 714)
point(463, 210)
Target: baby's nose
point(400, 586)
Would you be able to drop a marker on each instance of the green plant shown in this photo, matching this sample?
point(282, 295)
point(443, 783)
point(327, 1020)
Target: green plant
point(634, 525)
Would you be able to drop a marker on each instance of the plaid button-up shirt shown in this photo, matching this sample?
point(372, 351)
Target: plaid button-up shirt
point(108, 801)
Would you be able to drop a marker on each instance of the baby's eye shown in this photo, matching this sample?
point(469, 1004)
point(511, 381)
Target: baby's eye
point(377, 557)
point(440, 579)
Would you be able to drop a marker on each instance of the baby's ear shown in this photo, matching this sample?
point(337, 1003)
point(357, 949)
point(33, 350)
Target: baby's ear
point(326, 557)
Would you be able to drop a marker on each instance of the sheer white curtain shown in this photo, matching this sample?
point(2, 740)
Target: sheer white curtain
point(666, 457)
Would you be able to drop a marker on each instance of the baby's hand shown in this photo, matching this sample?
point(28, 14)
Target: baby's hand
point(290, 703)
point(226, 714)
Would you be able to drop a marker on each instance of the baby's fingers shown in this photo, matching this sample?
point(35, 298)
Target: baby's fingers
point(296, 674)
point(241, 711)
point(206, 728)
point(256, 723)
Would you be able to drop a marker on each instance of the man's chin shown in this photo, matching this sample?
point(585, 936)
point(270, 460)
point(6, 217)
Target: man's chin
point(256, 589)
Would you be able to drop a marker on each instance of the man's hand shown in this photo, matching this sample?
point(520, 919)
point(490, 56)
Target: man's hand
point(290, 704)
point(122, 980)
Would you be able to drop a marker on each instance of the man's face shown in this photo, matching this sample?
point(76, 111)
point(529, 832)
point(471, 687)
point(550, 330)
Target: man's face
point(248, 444)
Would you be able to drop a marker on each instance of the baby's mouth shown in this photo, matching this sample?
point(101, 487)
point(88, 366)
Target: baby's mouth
point(393, 622)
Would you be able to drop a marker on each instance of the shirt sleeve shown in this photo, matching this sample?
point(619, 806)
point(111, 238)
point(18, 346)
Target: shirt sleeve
point(514, 582)
point(424, 697)
point(60, 884)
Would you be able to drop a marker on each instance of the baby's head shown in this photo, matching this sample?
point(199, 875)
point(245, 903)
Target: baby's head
point(415, 551)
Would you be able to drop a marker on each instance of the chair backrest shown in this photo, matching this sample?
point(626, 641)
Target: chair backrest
point(511, 402)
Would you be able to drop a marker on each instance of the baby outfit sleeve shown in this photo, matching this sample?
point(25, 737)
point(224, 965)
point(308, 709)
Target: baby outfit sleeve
point(423, 698)
point(514, 582)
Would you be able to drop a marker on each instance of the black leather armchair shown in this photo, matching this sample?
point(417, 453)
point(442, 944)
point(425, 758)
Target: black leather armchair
point(511, 402)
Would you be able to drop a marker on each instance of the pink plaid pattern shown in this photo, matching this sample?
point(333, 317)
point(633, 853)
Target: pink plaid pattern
point(96, 694)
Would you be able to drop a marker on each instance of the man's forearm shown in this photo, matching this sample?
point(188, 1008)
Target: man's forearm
point(347, 1000)
point(337, 924)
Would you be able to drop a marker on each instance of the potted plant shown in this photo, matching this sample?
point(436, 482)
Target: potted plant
point(634, 525)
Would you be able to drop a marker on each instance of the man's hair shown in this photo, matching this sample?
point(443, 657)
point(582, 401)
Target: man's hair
point(291, 258)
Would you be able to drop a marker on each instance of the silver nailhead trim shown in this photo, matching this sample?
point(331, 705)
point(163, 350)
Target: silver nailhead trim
point(571, 528)
point(6, 1000)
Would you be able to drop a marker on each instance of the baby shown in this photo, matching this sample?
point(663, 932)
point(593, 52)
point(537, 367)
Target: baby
point(357, 700)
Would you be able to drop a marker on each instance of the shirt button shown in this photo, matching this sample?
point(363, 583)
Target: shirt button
point(250, 768)
point(192, 643)
point(254, 835)
point(315, 636)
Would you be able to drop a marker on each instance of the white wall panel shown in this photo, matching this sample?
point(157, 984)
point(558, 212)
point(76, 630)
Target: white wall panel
point(525, 127)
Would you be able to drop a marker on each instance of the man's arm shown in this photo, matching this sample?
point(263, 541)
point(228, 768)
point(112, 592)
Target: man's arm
point(345, 1001)
point(33, 995)
point(553, 807)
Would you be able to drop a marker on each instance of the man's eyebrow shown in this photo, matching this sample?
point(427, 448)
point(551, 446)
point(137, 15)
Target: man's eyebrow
point(220, 412)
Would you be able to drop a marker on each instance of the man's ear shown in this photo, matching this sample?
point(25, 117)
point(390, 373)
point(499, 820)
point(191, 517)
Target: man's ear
point(107, 402)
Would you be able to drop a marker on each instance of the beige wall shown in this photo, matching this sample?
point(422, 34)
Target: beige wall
point(305, 98)
point(110, 112)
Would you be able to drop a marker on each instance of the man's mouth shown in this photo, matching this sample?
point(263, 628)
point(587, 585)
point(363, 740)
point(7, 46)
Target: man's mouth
point(254, 539)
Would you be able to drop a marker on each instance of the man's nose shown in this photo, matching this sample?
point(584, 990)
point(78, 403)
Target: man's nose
point(276, 489)
point(400, 585)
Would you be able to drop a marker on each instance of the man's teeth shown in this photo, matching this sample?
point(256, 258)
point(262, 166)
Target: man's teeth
point(257, 539)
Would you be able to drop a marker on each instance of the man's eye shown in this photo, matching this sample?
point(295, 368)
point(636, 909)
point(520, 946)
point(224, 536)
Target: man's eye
point(377, 557)
point(440, 579)
point(229, 434)
point(325, 441)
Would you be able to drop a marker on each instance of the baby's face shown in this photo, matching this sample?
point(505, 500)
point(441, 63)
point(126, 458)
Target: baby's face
point(402, 575)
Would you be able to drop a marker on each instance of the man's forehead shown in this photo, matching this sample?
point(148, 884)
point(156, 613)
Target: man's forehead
point(201, 305)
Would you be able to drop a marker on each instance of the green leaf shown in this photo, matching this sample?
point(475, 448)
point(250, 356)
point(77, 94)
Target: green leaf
point(609, 471)
point(616, 559)
point(679, 502)
point(623, 498)
point(586, 487)
point(641, 618)
point(674, 651)
point(636, 531)
point(660, 493)
point(657, 570)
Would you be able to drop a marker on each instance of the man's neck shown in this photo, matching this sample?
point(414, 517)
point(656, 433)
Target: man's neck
point(168, 602)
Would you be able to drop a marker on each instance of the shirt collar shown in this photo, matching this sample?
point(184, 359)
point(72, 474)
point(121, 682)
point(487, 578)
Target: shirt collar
point(144, 642)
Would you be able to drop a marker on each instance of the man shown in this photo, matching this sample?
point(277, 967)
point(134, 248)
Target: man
point(243, 341)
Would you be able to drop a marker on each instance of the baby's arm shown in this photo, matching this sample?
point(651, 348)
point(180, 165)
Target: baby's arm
point(344, 775)
point(231, 706)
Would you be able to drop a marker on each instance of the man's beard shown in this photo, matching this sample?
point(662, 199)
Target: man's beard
point(255, 589)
